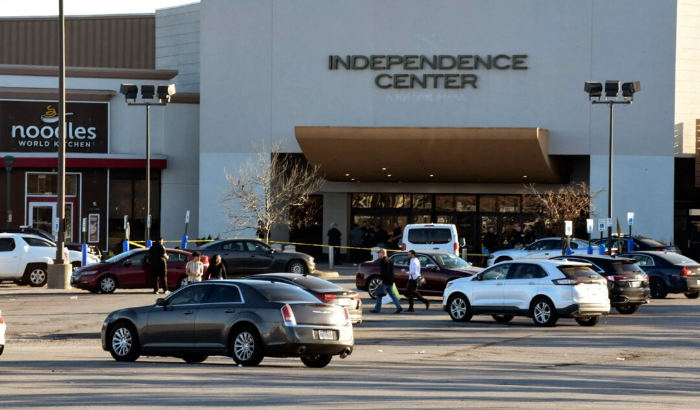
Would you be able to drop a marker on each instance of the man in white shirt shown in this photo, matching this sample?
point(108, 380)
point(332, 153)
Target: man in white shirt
point(412, 288)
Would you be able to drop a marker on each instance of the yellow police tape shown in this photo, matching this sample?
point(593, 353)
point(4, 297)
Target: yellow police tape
point(141, 244)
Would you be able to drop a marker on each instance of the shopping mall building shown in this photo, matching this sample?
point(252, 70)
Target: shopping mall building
point(437, 111)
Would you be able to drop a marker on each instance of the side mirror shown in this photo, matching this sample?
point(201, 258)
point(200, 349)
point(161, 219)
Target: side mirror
point(160, 302)
point(431, 266)
point(479, 276)
point(128, 262)
point(462, 242)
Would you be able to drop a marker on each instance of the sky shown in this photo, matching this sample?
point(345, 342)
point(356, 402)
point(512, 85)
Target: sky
point(14, 8)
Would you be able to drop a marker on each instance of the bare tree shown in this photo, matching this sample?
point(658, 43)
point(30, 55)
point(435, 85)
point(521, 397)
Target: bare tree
point(269, 191)
point(573, 202)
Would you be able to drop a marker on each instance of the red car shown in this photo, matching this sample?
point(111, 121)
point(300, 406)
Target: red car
point(437, 268)
point(131, 270)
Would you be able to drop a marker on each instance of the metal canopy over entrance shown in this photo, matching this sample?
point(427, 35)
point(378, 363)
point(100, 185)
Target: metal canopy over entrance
point(408, 154)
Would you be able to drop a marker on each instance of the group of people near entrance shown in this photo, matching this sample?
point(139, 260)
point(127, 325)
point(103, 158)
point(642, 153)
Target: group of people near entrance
point(368, 237)
point(386, 287)
point(194, 268)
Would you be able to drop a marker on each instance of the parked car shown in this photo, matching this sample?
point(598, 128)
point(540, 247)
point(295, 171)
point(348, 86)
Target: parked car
point(74, 246)
point(669, 272)
point(130, 270)
point(544, 290)
point(25, 258)
point(543, 248)
point(628, 285)
point(3, 327)
point(437, 267)
point(431, 237)
point(244, 257)
point(326, 291)
point(639, 243)
point(243, 319)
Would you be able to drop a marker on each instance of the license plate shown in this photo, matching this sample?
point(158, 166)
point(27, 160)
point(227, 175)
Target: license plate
point(326, 335)
point(345, 302)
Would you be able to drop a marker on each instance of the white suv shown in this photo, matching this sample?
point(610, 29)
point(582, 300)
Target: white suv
point(542, 290)
point(25, 258)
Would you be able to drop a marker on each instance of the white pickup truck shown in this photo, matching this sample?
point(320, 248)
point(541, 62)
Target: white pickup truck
point(25, 258)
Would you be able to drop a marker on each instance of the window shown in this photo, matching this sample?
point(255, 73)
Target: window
point(400, 260)
point(225, 294)
point(139, 258)
point(189, 295)
point(497, 273)
point(45, 184)
point(254, 246)
point(176, 257)
point(231, 246)
point(429, 235)
point(7, 244)
point(37, 242)
point(423, 202)
point(424, 261)
point(276, 293)
point(643, 260)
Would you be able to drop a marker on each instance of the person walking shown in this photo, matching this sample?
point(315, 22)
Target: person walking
point(412, 288)
point(334, 240)
point(216, 269)
point(386, 271)
point(195, 268)
point(159, 265)
point(356, 235)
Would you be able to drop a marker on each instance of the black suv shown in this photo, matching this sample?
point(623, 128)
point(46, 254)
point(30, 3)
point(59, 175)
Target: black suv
point(628, 285)
point(73, 246)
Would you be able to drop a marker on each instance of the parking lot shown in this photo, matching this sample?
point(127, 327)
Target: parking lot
point(53, 359)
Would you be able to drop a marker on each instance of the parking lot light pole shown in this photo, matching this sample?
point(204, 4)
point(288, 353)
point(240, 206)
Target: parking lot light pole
point(148, 91)
point(612, 89)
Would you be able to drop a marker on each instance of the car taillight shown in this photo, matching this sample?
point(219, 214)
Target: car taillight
point(660, 249)
point(565, 281)
point(456, 247)
point(356, 297)
point(403, 246)
point(685, 272)
point(326, 297)
point(348, 321)
point(616, 278)
point(288, 316)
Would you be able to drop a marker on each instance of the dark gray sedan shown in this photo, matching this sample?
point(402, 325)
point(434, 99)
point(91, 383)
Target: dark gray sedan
point(244, 257)
point(243, 319)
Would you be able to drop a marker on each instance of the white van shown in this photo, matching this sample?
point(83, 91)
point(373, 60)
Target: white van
point(432, 237)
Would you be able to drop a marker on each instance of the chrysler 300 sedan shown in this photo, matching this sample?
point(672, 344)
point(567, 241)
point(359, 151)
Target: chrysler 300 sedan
point(243, 319)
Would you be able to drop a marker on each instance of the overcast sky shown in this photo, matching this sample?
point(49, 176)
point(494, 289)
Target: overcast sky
point(13, 8)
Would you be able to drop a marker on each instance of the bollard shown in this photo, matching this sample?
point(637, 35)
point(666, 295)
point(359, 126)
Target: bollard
point(590, 250)
point(331, 256)
point(149, 243)
point(84, 254)
point(568, 251)
point(125, 246)
point(184, 242)
point(601, 249)
point(630, 245)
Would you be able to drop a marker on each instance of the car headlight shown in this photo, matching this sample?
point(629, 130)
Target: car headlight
point(84, 273)
point(448, 284)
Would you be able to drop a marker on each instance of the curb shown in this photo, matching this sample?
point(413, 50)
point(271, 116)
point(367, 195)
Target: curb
point(325, 274)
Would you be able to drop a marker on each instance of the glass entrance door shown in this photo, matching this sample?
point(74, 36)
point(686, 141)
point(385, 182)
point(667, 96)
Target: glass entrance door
point(42, 215)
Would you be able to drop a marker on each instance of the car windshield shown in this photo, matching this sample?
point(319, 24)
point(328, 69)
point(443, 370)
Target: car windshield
point(285, 293)
point(651, 242)
point(578, 272)
point(121, 256)
point(448, 260)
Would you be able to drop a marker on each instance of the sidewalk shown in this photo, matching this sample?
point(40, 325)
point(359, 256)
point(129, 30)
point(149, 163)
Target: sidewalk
point(324, 271)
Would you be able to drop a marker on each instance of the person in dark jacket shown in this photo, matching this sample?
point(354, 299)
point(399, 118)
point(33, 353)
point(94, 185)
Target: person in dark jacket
point(381, 237)
point(386, 270)
point(490, 240)
point(216, 269)
point(517, 238)
point(334, 240)
point(159, 265)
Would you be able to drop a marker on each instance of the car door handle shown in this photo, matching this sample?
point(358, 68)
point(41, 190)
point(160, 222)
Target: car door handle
point(531, 283)
point(499, 284)
point(230, 311)
point(546, 253)
point(188, 312)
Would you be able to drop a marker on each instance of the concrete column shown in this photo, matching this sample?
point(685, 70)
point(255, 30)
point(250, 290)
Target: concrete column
point(59, 276)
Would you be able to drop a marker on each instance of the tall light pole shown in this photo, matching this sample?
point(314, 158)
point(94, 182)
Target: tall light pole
point(148, 92)
point(612, 90)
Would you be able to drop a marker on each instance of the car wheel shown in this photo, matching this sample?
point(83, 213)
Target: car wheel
point(627, 309)
point(460, 310)
point(124, 343)
point(372, 286)
point(503, 318)
point(692, 295)
point(588, 321)
point(543, 313)
point(195, 358)
point(35, 275)
point(107, 284)
point(297, 267)
point(182, 281)
point(317, 362)
point(246, 346)
point(503, 258)
point(658, 288)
